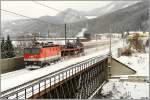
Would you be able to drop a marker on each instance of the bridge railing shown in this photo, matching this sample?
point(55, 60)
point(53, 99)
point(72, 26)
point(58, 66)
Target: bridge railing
point(35, 86)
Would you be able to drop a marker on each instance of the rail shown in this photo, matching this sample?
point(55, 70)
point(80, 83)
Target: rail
point(35, 86)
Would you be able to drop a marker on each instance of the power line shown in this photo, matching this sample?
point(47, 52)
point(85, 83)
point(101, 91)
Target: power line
point(47, 6)
point(52, 9)
point(25, 16)
point(16, 13)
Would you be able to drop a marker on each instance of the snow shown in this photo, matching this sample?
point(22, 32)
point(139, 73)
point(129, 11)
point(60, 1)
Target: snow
point(138, 62)
point(7, 83)
point(81, 33)
point(126, 90)
point(14, 73)
point(90, 17)
point(123, 88)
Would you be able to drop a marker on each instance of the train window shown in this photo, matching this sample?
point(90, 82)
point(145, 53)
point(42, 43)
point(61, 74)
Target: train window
point(35, 50)
point(27, 51)
point(32, 51)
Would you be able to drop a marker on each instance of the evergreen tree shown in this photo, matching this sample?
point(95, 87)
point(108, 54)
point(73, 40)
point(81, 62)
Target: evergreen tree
point(9, 48)
point(2, 48)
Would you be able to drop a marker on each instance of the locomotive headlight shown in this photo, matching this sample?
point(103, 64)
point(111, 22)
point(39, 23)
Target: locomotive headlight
point(25, 63)
point(34, 62)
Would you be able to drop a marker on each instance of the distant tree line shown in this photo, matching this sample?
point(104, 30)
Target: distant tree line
point(7, 49)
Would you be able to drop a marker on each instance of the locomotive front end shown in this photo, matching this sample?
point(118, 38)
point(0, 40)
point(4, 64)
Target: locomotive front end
point(32, 57)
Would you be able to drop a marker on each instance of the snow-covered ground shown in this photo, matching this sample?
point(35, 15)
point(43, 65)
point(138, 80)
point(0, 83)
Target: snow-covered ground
point(138, 61)
point(14, 73)
point(8, 81)
point(116, 89)
point(125, 89)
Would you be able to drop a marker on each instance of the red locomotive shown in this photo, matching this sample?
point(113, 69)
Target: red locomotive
point(36, 57)
point(42, 54)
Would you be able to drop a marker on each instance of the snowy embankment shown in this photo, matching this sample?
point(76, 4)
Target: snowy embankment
point(134, 88)
point(138, 61)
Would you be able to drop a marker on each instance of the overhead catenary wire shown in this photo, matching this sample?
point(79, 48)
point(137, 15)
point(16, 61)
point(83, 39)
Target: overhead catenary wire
point(52, 9)
point(46, 6)
point(36, 18)
point(27, 17)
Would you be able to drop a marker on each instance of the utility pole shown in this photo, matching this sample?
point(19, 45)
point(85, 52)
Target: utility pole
point(96, 39)
point(48, 34)
point(110, 41)
point(110, 55)
point(65, 34)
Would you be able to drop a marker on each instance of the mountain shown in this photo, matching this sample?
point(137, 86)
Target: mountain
point(69, 16)
point(111, 7)
point(52, 19)
point(131, 16)
point(55, 24)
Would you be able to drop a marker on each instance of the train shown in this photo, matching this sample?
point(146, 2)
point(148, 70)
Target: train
point(41, 54)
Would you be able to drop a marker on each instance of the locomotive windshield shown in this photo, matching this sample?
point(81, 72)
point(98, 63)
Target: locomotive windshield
point(32, 50)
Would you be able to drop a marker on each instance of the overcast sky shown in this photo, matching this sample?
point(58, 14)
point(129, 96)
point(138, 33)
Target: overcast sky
point(34, 10)
point(31, 9)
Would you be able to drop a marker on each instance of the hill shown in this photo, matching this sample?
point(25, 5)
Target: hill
point(129, 17)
